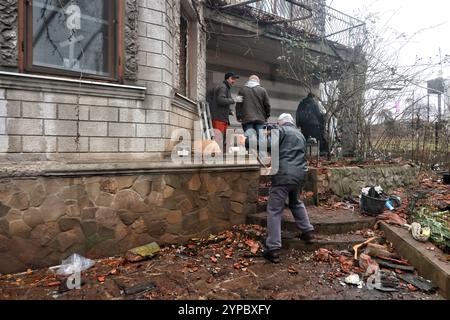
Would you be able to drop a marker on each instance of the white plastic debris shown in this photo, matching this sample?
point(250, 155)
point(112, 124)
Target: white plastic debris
point(73, 264)
point(419, 233)
point(379, 190)
point(353, 279)
point(365, 191)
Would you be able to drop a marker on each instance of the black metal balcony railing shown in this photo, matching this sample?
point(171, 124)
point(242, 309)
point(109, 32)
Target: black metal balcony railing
point(312, 17)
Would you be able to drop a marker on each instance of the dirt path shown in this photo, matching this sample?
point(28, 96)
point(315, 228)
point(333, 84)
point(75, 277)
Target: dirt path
point(221, 267)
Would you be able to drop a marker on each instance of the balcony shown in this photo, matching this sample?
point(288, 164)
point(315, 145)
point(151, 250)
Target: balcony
point(305, 19)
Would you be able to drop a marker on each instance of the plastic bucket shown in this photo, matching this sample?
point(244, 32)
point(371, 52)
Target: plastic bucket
point(446, 177)
point(372, 206)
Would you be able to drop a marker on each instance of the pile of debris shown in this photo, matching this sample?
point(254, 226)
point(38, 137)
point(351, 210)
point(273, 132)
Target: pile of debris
point(376, 266)
point(426, 213)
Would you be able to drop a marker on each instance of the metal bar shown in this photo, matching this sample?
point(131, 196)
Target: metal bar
point(342, 13)
point(350, 28)
point(200, 115)
point(239, 4)
point(308, 8)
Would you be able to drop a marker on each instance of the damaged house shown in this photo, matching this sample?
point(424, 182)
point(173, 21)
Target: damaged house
point(90, 94)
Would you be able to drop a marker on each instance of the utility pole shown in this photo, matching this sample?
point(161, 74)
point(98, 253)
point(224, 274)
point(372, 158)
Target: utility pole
point(438, 122)
point(412, 126)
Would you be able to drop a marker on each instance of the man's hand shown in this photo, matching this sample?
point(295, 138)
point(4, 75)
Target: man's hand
point(238, 99)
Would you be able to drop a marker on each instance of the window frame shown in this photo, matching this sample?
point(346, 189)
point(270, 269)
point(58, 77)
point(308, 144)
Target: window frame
point(188, 13)
point(116, 46)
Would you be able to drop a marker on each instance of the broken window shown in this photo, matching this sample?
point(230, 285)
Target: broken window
point(71, 36)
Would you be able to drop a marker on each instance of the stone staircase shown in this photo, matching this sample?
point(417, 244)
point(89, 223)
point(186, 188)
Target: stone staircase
point(335, 229)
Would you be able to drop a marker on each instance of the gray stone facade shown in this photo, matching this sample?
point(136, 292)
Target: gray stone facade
point(89, 120)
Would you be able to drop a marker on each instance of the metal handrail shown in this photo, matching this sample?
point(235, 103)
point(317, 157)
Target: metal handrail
point(312, 17)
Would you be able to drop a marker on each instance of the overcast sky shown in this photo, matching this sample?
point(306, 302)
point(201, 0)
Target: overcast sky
point(410, 16)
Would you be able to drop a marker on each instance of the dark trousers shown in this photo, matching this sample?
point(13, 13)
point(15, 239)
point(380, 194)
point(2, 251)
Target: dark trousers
point(275, 208)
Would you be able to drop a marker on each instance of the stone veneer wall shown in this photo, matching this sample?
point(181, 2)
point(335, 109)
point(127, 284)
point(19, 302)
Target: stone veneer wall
point(350, 180)
point(45, 219)
point(8, 33)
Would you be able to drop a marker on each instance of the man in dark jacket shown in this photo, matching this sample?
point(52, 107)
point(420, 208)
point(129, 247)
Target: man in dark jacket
point(311, 121)
point(287, 183)
point(254, 110)
point(221, 102)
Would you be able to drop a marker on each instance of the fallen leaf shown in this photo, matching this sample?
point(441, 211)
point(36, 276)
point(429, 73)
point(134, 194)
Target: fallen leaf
point(322, 255)
point(101, 278)
point(53, 284)
point(213, 259)
point(411, 288)
point(237, 266)
point(292, 270)
point(113, 272)
point(346, 263)
point(255, 248)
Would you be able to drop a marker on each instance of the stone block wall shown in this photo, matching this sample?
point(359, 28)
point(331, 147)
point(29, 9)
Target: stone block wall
point(42, 119)
point(350, 180)
point(45, 219)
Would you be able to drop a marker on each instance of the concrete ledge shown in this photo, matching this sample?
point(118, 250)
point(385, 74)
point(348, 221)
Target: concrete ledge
point(425, 261)
point(57, 169)
point(20, 81)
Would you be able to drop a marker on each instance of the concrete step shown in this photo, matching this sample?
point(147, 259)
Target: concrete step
point(264, 191)
point(325, 222)
point(427, 262)
point(330, 242)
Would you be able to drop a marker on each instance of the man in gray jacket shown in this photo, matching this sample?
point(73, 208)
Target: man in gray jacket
point(254, 110)
point(287, 182)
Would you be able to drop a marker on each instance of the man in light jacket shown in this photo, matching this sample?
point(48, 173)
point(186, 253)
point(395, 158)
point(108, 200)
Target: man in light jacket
point(254, 110)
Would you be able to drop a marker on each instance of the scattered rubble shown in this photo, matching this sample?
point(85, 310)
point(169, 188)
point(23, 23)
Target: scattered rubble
point(224, 266)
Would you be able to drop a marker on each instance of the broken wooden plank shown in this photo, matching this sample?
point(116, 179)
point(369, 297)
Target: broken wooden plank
point(376, 250)
point(419, 282)
point(394, 266)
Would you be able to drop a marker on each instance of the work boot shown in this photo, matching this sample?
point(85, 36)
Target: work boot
point(272, 255)
point(308, 237)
